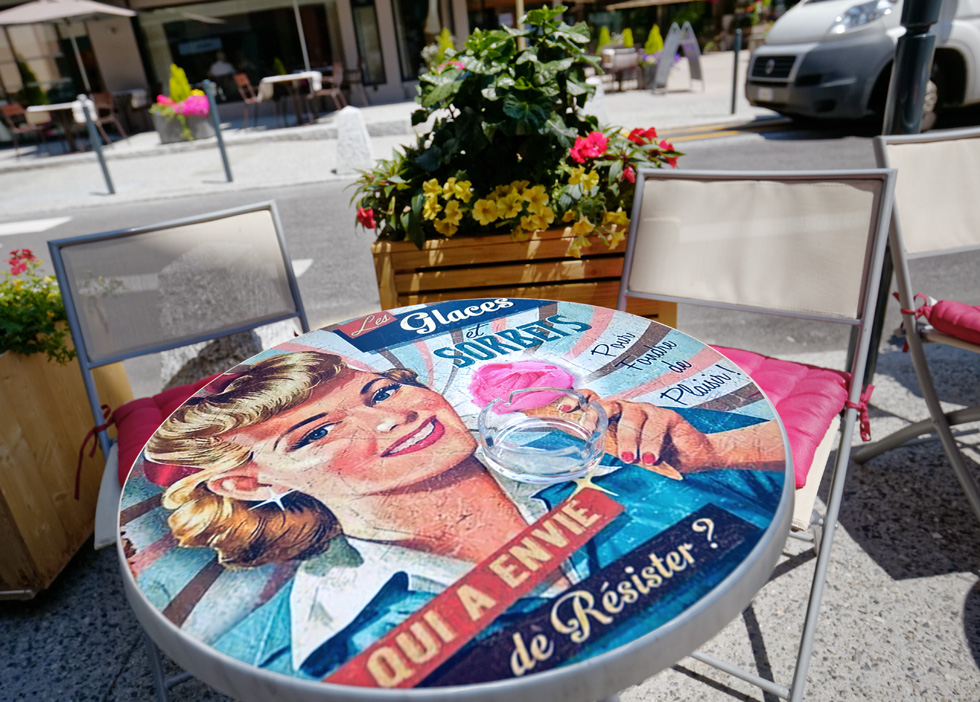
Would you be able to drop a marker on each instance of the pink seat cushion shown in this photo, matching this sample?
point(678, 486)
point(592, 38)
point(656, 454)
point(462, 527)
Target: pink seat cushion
point(806, 398)
point(955, 318)
point(138, 419)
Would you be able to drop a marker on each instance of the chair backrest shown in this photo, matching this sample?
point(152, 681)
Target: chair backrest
point(807, 245)
point(245, 87)
point(13, 114)
point(104, 102)
point(150, 289)
point(937, 210)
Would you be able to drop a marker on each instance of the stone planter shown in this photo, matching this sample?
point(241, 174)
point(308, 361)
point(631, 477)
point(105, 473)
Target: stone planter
point(494, 266)
point(169, 129)
point(44, 416)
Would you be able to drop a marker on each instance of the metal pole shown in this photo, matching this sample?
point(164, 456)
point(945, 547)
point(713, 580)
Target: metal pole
point(903, 115)
point(210, 89)
point(96, 140)
point(736, 49)
point(78, 57)
point(302, 36)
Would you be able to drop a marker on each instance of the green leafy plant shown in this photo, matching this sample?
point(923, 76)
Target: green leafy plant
point(604, 38)
point(655, 42)
point(627, 38)
point(511, 149)
point(31, 309)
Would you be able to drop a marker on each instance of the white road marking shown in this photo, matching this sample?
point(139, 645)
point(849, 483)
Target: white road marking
point(31, 226)
point(300, 265)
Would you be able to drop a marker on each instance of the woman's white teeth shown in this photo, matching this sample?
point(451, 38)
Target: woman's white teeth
point(409, 442)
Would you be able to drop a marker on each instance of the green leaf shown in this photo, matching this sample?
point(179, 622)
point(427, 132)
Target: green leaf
point(530, 114)
point(419, 116)
point(441, 93)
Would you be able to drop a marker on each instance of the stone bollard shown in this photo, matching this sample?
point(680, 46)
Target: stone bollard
point(353, 143)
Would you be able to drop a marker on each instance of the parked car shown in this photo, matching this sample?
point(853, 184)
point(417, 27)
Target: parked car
point(833, 59)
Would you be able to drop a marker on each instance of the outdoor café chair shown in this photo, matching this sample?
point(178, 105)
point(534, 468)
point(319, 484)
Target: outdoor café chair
point(332, 84)
point(17, 123)
point(807, 245)
point(936, 213)
point(152, 289)
point(105, 113)
point(250, 97)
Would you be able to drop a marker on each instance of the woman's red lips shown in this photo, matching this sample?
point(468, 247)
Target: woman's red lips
point(426, 435)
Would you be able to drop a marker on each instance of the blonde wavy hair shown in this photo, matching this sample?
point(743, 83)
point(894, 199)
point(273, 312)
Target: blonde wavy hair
point(242, 533)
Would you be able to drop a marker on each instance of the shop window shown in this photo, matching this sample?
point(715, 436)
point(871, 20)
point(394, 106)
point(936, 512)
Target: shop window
point(368, 41)
point(416, 25)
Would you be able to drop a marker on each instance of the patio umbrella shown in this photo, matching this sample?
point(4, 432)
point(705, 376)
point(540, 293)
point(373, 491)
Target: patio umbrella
point(40, 11)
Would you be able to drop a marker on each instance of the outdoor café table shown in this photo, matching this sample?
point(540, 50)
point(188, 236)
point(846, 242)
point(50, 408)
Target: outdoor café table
point(599, 583)
point(292, 80)
point(66, 114)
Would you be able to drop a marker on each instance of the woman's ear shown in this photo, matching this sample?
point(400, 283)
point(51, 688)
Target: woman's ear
point(240, 484)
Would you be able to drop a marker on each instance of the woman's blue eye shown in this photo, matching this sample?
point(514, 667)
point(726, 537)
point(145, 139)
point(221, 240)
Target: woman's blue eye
point(384, 393)
point(315, 435)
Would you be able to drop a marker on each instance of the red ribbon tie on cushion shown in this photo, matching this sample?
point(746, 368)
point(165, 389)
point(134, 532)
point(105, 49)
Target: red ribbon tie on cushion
point(107, 416)
point(861, 406)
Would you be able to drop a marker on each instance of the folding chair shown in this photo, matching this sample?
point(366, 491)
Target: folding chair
point(805, 245)
point(936, 212)
point(146, 290)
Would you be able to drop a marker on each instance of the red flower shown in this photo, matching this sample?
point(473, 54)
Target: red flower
point(365, 216)
point(591, 146)
point(642, 136)
point(629, 174)
point(667, 146)
point(19, 258)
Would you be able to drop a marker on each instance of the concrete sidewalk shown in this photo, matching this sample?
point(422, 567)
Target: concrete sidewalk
point(142, 169)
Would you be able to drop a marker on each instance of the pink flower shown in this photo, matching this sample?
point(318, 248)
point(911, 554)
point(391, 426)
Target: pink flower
point(629, 175)
point(366, 217)
point(19, 260)
point(498, 380)
point(591, 146)
point(193, 106)
point(164, 100)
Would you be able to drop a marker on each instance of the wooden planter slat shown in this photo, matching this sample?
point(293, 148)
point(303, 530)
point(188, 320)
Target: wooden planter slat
point(514, 274)
point(495, 266)
point(44, 416)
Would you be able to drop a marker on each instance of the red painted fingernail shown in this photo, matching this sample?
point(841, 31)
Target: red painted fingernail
point(649, 459)
point(628, 457)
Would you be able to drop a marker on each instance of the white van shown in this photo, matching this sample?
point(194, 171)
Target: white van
point(833, 59)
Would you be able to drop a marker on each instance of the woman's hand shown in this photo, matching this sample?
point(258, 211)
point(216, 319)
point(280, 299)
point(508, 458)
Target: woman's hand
point(640, 433)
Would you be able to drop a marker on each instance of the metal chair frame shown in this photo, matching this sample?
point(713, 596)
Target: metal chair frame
point(878, 229)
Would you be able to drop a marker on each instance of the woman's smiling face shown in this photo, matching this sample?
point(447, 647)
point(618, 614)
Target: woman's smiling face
point(359, 434)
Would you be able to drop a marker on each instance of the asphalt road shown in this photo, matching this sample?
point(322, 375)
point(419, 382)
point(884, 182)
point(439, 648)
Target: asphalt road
point(339, 283)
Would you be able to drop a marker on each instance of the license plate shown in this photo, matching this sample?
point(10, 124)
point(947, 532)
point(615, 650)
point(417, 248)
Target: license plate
point(765, 94)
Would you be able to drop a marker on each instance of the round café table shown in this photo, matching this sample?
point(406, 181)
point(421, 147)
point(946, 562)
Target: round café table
point(604, 581)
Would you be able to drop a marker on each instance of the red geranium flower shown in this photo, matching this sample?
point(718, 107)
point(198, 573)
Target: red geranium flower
point(667, 146)
point(365, 216)
point(642, 136)
point(591, 146)
point(19, 258)
point(629, 174)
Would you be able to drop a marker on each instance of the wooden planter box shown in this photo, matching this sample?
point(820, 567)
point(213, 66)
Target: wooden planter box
point(494, 266)
point(44, 416)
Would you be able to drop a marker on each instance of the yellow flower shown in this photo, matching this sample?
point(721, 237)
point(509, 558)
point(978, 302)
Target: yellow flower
point(576, 177)
point(536, 198)
point(445, 227)
point(618, 218)
point(519, 234)
point(510, 205)
point(575, 245)
point(616, 236)
point(529, 223)
point(547, 215)
point(485, 211)
point(583, 227)
point(568, 216)
point(590, 181)
point(449, 189)
point(431, 188)
point(519, 186)
point(431, 207)
point(463, 190)
point(453, 213)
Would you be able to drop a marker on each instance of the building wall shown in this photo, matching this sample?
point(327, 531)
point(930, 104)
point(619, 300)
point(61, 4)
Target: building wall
point(118, 55)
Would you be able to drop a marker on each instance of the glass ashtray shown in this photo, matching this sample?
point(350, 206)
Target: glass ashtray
point(561, 439)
